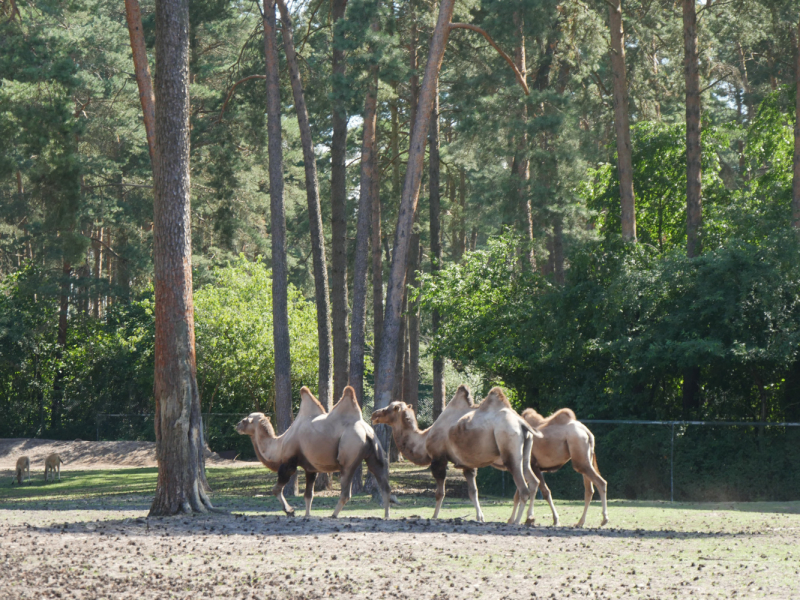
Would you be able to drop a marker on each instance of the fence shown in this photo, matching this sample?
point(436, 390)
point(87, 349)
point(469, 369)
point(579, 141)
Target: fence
point(218, 430)
point(684, 461)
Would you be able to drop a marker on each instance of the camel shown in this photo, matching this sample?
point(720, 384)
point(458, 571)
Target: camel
point(319, 442)
point(470, 437)
point(52, 463)
point(564, 438)
point(23, 465)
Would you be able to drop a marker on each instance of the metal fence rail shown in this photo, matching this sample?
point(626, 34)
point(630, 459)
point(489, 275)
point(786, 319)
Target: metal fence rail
point(672, 425)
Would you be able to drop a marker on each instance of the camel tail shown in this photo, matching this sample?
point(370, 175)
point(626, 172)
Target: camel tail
point(594, 461)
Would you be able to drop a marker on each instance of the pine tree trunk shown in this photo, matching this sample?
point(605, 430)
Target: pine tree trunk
point(142, 69)
point(411, 391)
point(462, 203)
point(322, 297)
point(361, 259)
point(694, 210)
point(796, 165)
point(377, 264)
point(621, 124)
point(436, 249)
point(181, 484)
point(523, 162)
point(97, 250)
point(61, 345)
point(384, 374)
point(339, 215)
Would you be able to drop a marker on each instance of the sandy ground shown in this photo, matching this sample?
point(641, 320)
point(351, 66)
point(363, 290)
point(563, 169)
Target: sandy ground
point(121, 553)
point(81, 455)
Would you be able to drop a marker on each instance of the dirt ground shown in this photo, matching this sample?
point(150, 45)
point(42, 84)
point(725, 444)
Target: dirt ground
point(85, 455)
point(110, 549)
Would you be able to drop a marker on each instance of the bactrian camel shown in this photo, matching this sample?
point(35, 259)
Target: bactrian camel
point(470, 437)
point(23, 466)
point(564, 438)
point(319, 442)
point(52, 464)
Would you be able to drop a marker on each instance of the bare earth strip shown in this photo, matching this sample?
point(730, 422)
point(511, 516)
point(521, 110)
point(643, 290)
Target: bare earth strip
point(653, 551)
point(85, 455)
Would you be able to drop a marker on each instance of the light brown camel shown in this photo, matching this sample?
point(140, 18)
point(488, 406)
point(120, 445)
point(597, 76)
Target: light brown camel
point(319, 442)
point(52, 463)
point(23, 465)
point(470, 437)
point(564, 439)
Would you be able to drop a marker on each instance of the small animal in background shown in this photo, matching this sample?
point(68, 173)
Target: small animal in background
point(23, 465)
point(52, 463)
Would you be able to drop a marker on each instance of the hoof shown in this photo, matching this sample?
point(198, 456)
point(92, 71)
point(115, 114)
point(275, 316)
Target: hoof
point(605, 521)
point(556, 523)
point(531, 523)
point(578, 525)
point(289, 513)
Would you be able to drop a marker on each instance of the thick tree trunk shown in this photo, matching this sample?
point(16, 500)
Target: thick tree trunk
point(796, 167)
point(339, 215)
point(280, 309)
point(694, 209)
point(436, 249)
point(621, 124)
point(322, 297)
point(384, 375)
point(61, 345)
point(181, 484)
point(361, 259)
point(377, 263)
point(411, 375)
point(142, 70)
point(523, 162)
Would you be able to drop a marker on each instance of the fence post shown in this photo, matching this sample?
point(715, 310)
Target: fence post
point(672, 464)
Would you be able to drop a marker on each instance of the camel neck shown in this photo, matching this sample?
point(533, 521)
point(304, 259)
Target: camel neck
point(411, 444)
point(268, 448)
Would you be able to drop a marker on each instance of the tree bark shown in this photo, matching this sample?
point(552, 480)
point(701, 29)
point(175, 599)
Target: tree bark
point(361, 259)
point(97, 250)
point(142, 70)
point(61, 345)
point(411, 375)
point(621, 124)
point(377, 263)
point(436, 248)
point(694, 209)
point(384, 375)
point(181, 484)
point(796, 165)
point(339, 214)
point(280, 308)
point(523, 162)
point(322, 297)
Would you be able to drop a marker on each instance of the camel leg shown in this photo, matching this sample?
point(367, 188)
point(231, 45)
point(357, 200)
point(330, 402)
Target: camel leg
point(530, 478)
point(472, 488)
point(345, 479)
point(592, 479)
point(515, 468)
point(439, 472)
point(285, 472)
point(587, 499)
point(309, 494)
point(514, 510)
point(59, 471)
point(547, 496)
point(377, 467)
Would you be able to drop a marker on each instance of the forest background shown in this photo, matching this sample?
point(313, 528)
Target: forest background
point(525, 269)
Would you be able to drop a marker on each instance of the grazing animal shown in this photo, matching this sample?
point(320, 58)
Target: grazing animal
point(23, 465)
point(319, 442)
point(564, 438)
point(52, 463)
point(470, 437)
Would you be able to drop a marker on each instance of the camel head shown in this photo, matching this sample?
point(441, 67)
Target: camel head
point(397, 413)
point(250, 423)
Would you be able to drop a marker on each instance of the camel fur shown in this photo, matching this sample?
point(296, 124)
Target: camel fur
point(319, 442)
point(23, 465)
point(564, 438)
point(470, 437)
point(52, 464)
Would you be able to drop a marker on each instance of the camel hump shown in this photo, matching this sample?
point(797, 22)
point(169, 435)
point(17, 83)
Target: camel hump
point(496, 400)
point(309, 405)
point(532, 417)
point(347, 404)
point(562, 416)
point(462, 398)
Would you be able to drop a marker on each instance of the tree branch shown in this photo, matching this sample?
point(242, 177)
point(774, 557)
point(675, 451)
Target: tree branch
point(520, 78)
point(233, 89)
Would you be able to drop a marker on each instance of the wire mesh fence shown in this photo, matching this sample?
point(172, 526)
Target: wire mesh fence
point(218, 431)
point(683, 461)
